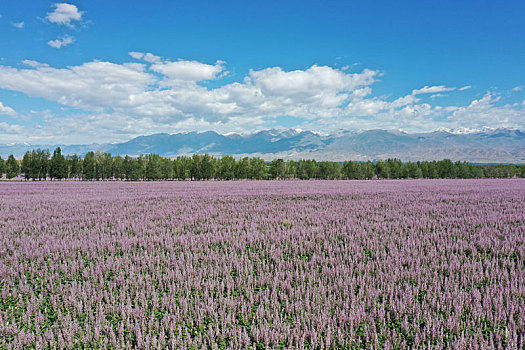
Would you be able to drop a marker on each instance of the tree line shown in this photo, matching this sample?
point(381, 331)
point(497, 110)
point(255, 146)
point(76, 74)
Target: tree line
point(39, 164)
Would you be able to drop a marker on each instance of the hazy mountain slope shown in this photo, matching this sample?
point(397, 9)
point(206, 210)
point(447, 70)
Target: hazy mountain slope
point(487, 146)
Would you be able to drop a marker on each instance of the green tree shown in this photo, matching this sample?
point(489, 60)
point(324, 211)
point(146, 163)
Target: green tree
point(394, 166)
point(445, 169)
point(366, 170)
point(277, 169)
point(257, 169)
point(133, 168)
point(2, 166)
point(412, 170)
point(40, 164)
point(166, 169)
point(103, 165)
point(182, 167)
point(350, 170)
point(306, 169)
point(382, 170)
point(118, 168)
point(424, 169)
point(226, 168)
point(432, 170)
point(328, 170)
point(89, 166)
point(242, 168)
point(12, 167)
point(290, 169)
point(127, 167)
point(195, 173)
point(153, 167)
point(57, 165)
point(207, 167)
point(28, 166)
point(75, 166)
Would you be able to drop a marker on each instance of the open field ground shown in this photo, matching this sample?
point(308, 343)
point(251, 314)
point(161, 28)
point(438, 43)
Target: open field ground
point(297, 264)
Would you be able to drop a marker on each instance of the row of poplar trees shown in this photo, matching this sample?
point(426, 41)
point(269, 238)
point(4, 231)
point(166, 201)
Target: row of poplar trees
point(41, 165)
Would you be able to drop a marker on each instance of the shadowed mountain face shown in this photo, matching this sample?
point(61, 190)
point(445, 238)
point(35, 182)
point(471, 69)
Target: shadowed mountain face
point(489, 146)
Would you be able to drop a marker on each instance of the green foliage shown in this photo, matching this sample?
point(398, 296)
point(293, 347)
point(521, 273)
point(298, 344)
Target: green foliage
point(153, 167)
point(89, 166)
point(103, 166)
point(58, 168)
point(226, 168)
point(257, 169)
point(74, 166)
point(277, 169)
point(12, 167)
point(2, 166)
point(37, 164)
point(133, 168)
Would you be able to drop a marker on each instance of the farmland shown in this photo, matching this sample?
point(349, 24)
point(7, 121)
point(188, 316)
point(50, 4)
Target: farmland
point(263, 264)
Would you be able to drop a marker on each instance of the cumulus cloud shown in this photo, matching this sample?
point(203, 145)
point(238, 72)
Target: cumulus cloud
point(62, 42)
point(310, 82)
point(517, 88)
point(485, 112)
point(64, 14)
point(465, 88)
point(187, 70)
point(432, 89)
point(91, 86)
point(18, 25)
point(6, 110)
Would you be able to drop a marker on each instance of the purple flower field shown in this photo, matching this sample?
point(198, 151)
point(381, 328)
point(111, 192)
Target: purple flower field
point(263, 265)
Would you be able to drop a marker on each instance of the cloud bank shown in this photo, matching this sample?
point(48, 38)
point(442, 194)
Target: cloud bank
point(117, 101)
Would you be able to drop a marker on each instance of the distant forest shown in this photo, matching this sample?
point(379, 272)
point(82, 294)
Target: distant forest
point(41, 165)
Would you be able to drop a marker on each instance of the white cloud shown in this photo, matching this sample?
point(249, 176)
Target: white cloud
point(465, 88)
point(312, 82)
point(18, 25)
point(403, 101)
point(432, 90)
point(517, 88)
point(11, 129)
point(91, 86)
point(187, 70)
point(120, 101)
point(63, 42)
point(484, 112)
point(148, 57)
point(34, 64)
point(359, 94)
point(6, 110)
point(365, 108)
point(64, 14)
point(136, 55)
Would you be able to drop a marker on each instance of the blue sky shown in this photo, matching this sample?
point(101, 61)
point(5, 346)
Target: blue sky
point(107, 71)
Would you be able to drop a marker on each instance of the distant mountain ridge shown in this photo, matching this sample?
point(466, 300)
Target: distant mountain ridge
point(478, 146)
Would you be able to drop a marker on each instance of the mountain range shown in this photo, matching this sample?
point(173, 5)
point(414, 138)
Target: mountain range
point(479, 146)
